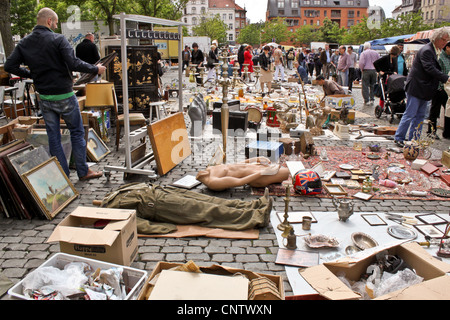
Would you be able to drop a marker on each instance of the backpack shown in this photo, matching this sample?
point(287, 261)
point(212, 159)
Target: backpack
point(291, 55)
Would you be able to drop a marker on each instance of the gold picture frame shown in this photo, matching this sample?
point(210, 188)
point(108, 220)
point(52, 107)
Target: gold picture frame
point(50, 187)
point(96, 147)
point(335, 189)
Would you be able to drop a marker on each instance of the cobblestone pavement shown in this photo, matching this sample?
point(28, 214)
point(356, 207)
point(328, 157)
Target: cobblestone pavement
point(23, 243)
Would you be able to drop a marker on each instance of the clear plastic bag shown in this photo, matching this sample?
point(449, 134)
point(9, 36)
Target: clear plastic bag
point(48, 279)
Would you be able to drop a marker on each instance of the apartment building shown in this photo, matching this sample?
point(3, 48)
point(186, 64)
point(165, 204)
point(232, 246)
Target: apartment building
point(434, 11)
point(233, 15)
point(297, 13)
point(406, 7)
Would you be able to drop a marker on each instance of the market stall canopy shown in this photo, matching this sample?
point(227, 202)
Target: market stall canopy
point(378, 44)
point(421, 37)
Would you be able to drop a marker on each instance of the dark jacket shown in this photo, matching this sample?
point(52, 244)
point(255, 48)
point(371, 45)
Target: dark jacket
point(197, 57)
point(384, 64)
point(87, 51)
point(264, 61)
point(425, 74)
point(51, 60)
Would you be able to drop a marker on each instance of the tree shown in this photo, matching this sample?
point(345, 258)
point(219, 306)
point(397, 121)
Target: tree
point(23, 16)
point(5, 27)
point(213, 27)
point(331, 31)
point(165, 9)
point(275, 31)
point(307, 34)
point(251, 34)
point(360, 33)
point(404, 24)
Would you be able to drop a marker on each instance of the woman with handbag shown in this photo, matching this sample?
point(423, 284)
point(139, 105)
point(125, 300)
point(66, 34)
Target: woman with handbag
point(266, 69)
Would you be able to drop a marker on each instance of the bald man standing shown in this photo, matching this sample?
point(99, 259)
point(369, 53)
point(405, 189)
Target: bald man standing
point(51, 60)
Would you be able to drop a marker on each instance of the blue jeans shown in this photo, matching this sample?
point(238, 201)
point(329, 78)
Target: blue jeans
point(414, 114)
point(69, 111)
point(342, 78)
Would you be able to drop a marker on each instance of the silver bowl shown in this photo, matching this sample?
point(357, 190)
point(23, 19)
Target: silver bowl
point(363, 241)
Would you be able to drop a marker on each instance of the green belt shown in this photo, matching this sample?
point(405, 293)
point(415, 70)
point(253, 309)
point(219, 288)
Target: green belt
point(56, 97)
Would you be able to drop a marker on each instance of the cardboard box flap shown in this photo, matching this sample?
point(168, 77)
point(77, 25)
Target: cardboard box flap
point(327, 284)
point(116, 225)
point(85, 236)
point(102, 213)
point(422, 254)
point(434, 289)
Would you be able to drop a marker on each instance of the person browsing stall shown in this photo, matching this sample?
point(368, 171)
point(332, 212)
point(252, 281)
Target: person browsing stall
point(87, 50)
point(440, 99)
point(369, 74)
point(301, 72)
point(421, 85)
point(330, 87)
point(51, 60)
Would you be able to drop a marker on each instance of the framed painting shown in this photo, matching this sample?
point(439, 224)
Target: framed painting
point(335, 189)
point(96, 148)
point(50, 187)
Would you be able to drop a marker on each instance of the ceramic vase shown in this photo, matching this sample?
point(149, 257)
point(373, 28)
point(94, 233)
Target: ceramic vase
point(411, 151)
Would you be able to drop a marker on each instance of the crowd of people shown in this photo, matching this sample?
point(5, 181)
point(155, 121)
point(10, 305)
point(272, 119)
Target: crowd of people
point(337, 70)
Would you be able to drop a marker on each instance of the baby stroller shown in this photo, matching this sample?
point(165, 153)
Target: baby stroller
point(394, 97)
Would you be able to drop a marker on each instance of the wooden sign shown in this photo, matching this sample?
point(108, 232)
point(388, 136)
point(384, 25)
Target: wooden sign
point(170, 142)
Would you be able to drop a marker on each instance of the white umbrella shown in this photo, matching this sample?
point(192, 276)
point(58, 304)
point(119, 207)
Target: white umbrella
point(273, 44)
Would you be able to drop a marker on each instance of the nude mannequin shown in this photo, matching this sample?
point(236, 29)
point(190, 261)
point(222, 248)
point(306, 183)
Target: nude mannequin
point(256, 172)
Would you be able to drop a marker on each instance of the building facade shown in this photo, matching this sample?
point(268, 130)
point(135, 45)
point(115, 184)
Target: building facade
point(297, 13)
point(406, 7)
point(234, 16)
point(435, 11)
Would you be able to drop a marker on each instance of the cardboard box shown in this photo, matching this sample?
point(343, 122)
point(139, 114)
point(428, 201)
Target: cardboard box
point(214, 269)
point(336, 116)
point(340, 101)
point(436, 283)
point(133, 278)
point(99, 233)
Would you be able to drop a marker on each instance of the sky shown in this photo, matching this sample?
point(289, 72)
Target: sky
point(256, 9)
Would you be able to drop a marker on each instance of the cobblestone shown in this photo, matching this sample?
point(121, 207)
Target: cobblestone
point(23, 245)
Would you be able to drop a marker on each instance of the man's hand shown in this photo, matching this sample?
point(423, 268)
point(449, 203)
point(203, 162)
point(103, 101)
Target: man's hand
point(101, 68)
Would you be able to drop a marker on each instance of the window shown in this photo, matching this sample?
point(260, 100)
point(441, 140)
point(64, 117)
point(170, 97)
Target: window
point(280, 4)
point(350, 23)
point(307, 2)
point(194, 10)
point(230, 37)
point(351, 14)
point(324, 13)
point(318, 22)
point(335, 13)
point(432, 15)
point(305, 22)
point(294, 4)
point(203, 10)
point(295, 12)
point(194, 21)
point(281, 12)
point(357, 13)
point(224, 16)
point(317, 2)
point(230, 26)
point(350, 3)
point(230, 16)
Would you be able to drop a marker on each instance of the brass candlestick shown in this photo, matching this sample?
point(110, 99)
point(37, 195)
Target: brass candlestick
point(285, 224)
point(225, 82)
